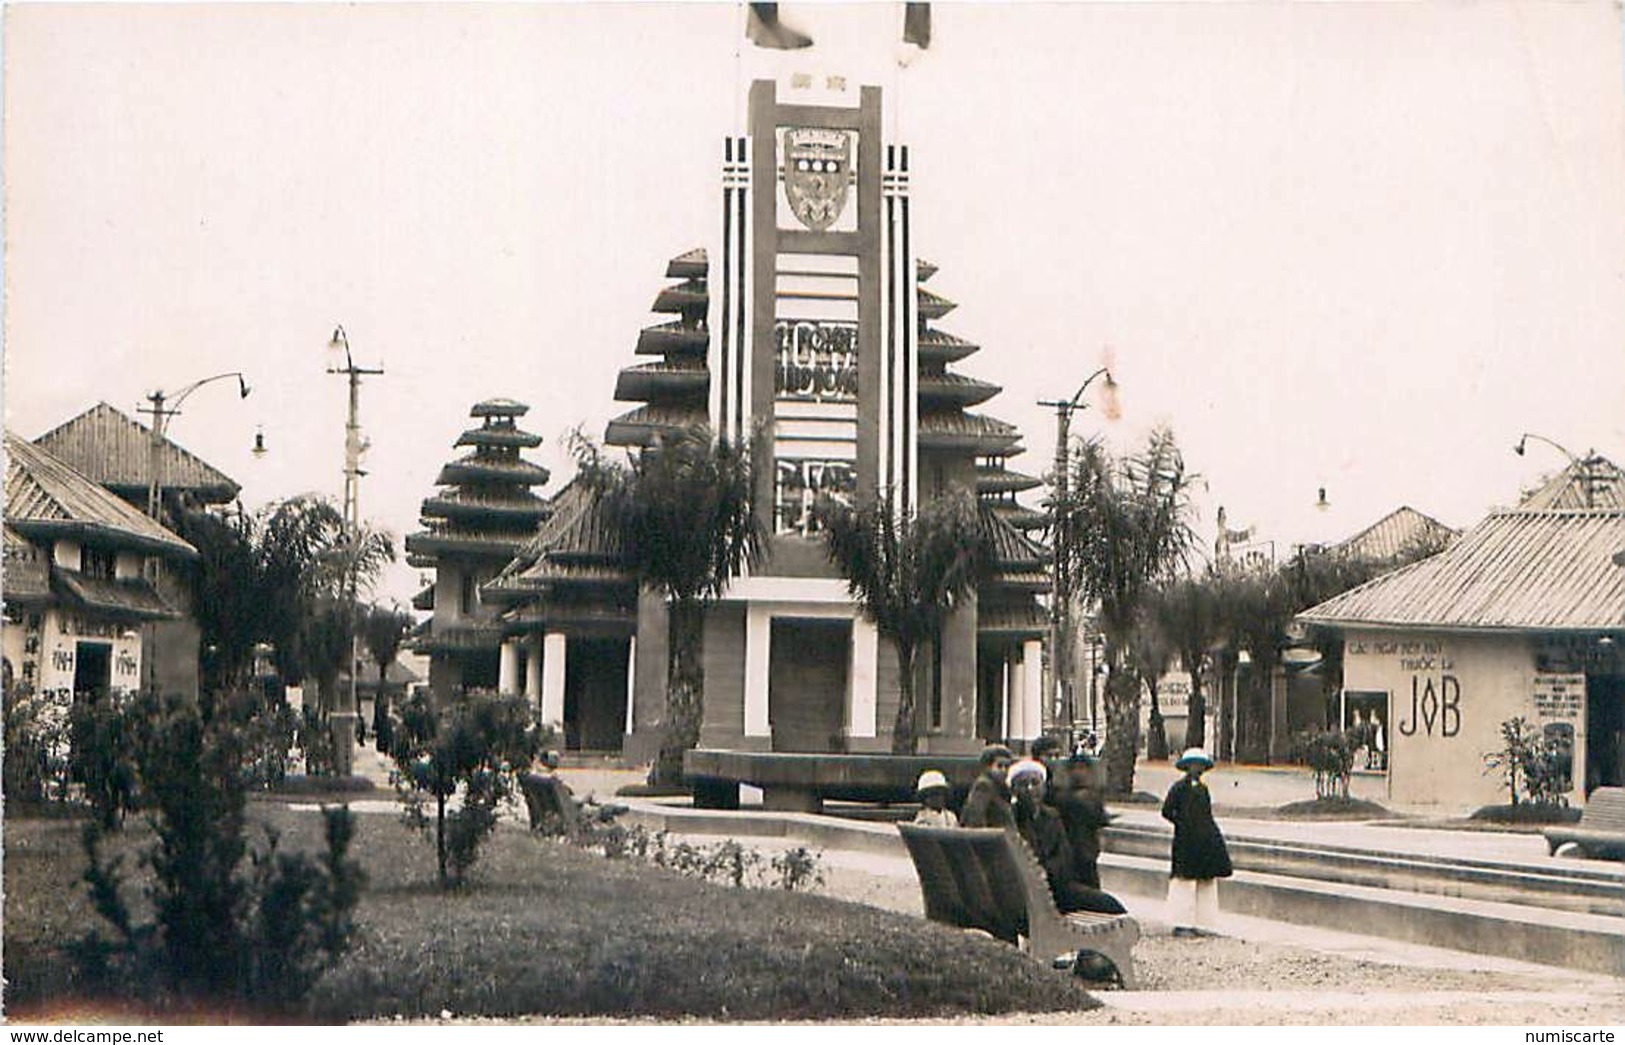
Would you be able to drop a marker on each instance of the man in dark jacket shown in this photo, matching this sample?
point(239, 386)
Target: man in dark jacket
point(1075, 793)
point(1200, 856)
point(1040, 826)
point(988, 804)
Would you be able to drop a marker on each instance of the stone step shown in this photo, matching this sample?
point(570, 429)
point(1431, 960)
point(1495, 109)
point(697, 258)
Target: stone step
point(1566, 887)
point(1297, 883)
point(1571, 940)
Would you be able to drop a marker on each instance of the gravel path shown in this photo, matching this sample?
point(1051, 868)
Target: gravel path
point(1229, 981)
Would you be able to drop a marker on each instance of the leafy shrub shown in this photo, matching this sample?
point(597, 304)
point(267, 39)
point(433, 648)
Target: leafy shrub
point(254, 936)
point(725, 863)
point(101, 733)
point(36, 747)
point(471, 749)
point(315, 740)
point(1531, 764)
point(1330, 754)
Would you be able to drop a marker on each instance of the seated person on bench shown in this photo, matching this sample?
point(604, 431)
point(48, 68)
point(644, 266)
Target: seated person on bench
point(1040, 826)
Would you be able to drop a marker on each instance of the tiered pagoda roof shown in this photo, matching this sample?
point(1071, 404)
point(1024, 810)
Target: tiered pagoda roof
point(675, 391)
point(571, 572)
point(487, 509)
point(1007, 602)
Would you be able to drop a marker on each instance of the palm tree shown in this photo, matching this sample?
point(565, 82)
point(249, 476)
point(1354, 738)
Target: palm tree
point(685, 513)
point(908, 572)
point(1186, 613)
point(1152, 653)
point(383, 630)
point(1131, 531)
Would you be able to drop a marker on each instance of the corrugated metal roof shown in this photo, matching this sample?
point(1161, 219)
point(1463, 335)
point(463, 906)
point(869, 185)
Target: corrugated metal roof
point(1549, 570)
point(26, 576)
point(1592, 482)
point(111, 448)
point(1396, 532)
point(45, 495)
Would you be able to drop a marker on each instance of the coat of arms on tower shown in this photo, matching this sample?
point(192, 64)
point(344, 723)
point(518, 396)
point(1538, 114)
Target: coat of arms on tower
point(817, 174)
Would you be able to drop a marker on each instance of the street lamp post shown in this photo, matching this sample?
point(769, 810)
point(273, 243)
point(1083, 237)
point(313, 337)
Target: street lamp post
point(1581, 465)
point(344, 718)
point(1060, 550)
point(160, 420)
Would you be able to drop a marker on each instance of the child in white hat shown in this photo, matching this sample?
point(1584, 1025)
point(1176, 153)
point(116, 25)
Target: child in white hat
point(933, 793)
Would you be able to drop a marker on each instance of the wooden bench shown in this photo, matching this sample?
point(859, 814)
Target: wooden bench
point(547, 798)
point(987, 879)
point(1600, 831)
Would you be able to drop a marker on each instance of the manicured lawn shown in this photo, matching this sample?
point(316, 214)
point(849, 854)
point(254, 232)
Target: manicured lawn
point(547, 929)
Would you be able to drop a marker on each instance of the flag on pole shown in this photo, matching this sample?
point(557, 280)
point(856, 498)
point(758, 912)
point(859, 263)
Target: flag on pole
point(765, 30)
point(917, 25)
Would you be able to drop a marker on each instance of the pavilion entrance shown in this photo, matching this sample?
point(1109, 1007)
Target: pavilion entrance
point(595, 694)
point(1605, 731)
point(808, 664)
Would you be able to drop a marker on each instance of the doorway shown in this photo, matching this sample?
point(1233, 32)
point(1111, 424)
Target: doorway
point(1605, 724)
point(807, 683)
point(93, 669)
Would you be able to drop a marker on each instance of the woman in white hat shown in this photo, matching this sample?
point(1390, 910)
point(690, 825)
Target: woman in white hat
point(1200, 857)
point(932, 790)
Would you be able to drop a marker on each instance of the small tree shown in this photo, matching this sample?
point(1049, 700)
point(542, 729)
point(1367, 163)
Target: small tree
point(908, 573)
point(1531, 765)
point(254, 936)
point(474, 747)
point(1330, 753)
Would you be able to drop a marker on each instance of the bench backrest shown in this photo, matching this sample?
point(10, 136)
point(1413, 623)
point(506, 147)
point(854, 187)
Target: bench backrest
point(1604, 810)
point(970, 877)
point(546, 797)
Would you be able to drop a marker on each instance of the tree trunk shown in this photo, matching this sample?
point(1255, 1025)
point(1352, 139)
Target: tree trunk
point(685, 691)
point(904, 740)
point(1156, 742)
point(1122, 725)
point(1196, 717)
point(440, 835)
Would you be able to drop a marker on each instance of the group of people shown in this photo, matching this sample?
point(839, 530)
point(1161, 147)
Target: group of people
point(1056, 806)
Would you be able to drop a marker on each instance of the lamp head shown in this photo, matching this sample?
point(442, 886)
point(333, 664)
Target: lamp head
point(259, 444)
point(1518, 447)
point(242, 387)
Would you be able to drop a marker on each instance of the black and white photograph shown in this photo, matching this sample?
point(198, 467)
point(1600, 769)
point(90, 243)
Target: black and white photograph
point(936, 516)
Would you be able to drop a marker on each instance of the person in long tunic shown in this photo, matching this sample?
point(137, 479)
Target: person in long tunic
point(1200, 856)
point(988, 804)
point(1040, 826)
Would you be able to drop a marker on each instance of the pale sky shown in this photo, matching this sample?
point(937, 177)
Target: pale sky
point(1354, 246)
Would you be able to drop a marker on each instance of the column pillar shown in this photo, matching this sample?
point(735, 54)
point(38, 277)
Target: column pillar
point(862, 679)
point(552, 671)
point(508, 667)
point(631, 681)
point(758, 650)
point(533, 669)
point(1032, 689)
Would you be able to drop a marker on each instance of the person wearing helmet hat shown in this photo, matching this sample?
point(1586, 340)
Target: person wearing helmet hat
point(1040, 826)
point(988, 804)
point(933, 793)
point(1200, 856)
